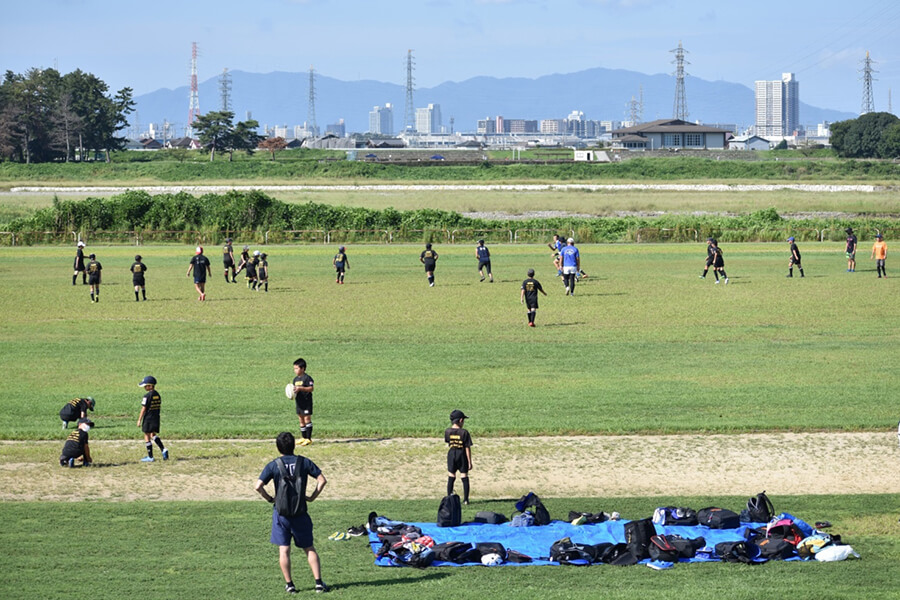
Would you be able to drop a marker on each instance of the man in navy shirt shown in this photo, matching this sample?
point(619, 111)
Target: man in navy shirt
point(299, 527)
point(484, 260)
point(571, 263)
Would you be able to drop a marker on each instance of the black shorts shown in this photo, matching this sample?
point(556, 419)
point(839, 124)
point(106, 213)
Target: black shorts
point(429, 266)
point(137, 281)
point(484, 264)
point(531, 303)
point(228, 262)
point(200, 278)
point(68, 413)
point(720, 263)
point(79, 267)
point(150, 423)
point(457, 461)
point(339, 269)
point(93, 279)
point(304, 407)
point(795, 261)
point(709, 262)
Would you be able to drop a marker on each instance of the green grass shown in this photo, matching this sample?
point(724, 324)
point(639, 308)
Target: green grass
point(196, 550)
point(645, 346)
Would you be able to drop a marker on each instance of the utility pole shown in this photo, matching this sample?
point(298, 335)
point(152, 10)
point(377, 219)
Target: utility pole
point(225, 89)
point(681, 110)
point(194, 109)
point(409, 117)
point(868, 99)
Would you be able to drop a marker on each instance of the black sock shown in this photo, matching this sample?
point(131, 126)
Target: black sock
point(450, 482)
point(267, 286)
point(320, 582)
point(791, 272)
point(716, 273)
point(801, 272)
point(705, 271)
point(159, 443)
point(136, 298)
point(92, 296)
point(74, 277)
point(149, 446)
point(531, 317)
point(724, 274)
point(144, 293)
point(309, 431)
point(465, 489)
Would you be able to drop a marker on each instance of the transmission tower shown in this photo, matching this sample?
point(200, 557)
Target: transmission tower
point(681, 110)
point(634, 108)
point(311, 107)
point(194, 109)
point(409, 118)
point(225, 89)
point(868, 99)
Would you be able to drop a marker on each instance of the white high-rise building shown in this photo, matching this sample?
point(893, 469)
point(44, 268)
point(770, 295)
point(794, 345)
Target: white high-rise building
point(428, 120)
point(381, 120)
point(778, 107)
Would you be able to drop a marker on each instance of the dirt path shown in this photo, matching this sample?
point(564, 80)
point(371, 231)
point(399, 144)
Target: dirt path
point(607, 466)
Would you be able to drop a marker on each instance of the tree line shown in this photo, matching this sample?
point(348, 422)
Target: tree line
point(872, 135)
point(46, 116)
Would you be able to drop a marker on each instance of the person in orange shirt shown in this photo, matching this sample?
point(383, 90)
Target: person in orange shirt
point(879, 253)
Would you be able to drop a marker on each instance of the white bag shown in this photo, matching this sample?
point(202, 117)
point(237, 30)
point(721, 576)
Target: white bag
point(833, 553)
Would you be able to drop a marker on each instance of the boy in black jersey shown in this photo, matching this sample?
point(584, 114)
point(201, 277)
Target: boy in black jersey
point(710, 255)
point(245, 258)
point(850, 250)
point(200, 266)
point(303, 400)
point(148, 420)
point(228, 260)
point(341, 263)
point(93, 270)
point(529, 295)
point(250, 267)
point(79, 264)
point(75, 409)
point(76, 445)
point(262, 272)
point(429, 259)
point(718, 264)
point(137, 277)
point(459, 453)
point(795, 258)
point(484, 260)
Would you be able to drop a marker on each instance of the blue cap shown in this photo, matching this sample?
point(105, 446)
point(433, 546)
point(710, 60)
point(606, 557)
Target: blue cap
point(148, 380)
point(791, 239)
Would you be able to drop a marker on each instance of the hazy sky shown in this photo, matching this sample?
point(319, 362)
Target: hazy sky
point(147, 44)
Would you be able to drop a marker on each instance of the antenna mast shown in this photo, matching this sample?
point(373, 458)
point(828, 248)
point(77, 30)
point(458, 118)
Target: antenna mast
point(311, 108)
point(409, 117)
point(868, 99)
point(681, 110)
point(225, 89)
point(194, 109)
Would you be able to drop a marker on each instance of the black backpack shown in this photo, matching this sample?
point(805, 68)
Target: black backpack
point(775, 548)
point(760, 509)
point(735, 552)
point(455, 552)
point(661, 548)
point(687, 548)
point(615, 554)
point(567, 552)
point(449, 512)
point(491, 518)
point(531, 503)
point(637, 536)
point(589, 518)
point(289, 500)
point(718, 518)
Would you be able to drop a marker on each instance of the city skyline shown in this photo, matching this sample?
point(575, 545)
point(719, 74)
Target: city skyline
point(146, 45)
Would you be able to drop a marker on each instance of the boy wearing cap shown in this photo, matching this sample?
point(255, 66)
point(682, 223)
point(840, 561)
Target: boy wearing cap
point(571, 264)
point(75, 409)
point(709, 257)
point(201, 267)
point(484, 260)
point(557, 245)
point(879, 253)
point(137, 277)
point(148, 420)
point(263, 272)
point(850, 251)
point(529, 296)
point(79, 263)
point(459, 453)
point(341, 263)
point(303, 400)
point(429, 259)
point(228, 260)
point(76, 445)
point(93, 270)
point(795, 258)
point(250, 267)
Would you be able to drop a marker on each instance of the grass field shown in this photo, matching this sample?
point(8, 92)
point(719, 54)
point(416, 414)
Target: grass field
point(644, 346)
point(189, 550)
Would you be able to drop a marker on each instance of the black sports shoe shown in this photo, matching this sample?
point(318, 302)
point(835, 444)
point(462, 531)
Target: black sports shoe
point(357, 531)
point(290, 589)
point(321, 588)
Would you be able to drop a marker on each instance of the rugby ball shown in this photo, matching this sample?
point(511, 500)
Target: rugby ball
point(491, 560)
point(289, 390)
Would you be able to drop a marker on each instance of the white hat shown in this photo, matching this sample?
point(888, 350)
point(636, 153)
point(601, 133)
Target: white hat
point(80, 243)
point(570, 241)
point(199, 250)
point(256, 253)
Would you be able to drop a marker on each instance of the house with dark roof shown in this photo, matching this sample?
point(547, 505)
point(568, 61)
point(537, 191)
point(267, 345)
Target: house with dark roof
point(185, 142)
point(669, 134)
point(151, 144)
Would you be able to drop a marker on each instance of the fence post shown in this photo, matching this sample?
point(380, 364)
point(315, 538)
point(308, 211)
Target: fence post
point(509, 231)
point(390, 236)
point(266, 239)
point(74, 237)
point(822, 234)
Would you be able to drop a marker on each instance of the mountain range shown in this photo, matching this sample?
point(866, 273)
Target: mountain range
point(282, 98)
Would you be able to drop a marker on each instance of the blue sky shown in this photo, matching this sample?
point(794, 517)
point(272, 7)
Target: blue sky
point(146, 44)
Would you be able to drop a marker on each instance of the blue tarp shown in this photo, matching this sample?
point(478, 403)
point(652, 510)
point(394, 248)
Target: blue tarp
point(536, 541)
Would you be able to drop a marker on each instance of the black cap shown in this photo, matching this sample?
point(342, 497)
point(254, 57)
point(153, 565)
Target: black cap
point(531, 272)
point(849, 230)
point(481, 242)
point(92, 255)
point(456, 415)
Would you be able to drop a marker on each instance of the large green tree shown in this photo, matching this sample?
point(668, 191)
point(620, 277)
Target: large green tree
point(864, 137)
point(214, 130)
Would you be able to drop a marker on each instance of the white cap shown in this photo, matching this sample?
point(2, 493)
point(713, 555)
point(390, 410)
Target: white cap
point(570, 241)
point(199, 250)
point(256, 253)
point(80, 243)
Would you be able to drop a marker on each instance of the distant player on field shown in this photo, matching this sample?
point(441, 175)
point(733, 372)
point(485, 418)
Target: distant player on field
point(201, 267)
point(262, 272)
point(459, 453)
point(429, 259)
point(137, 277)
point(79, 263)
point(529, 296)
point(571, 263)
point(93, 270)
point(148, 420)
point(75, 409)
point(795, 258)
point(718, 262)
point(341, 263)
point(228, 260)
point(850, 250)
point(710, 256)
point(303, 400)
point(245, 258)
point(484, 260)
point(879, 253)
point(77, 446)
point(250, 268)
point(557, 245)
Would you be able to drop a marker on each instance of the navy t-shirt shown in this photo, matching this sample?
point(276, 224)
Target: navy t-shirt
point(307, 469)
point(483, 253)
